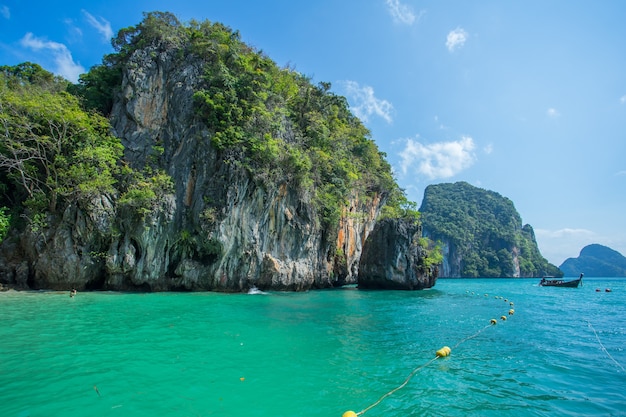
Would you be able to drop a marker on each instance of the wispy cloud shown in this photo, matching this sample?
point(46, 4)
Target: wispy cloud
point(75, 34)
point(565, 232)
point(364, 102)
point(558, 245)
point(456, 39)
point(62, 57)
point(101, 25)
point(622, 99)
point(402, 13)
point(5, 12)
point(440, 125)
point(488, 149)
point(438, 160)
point(552, 112)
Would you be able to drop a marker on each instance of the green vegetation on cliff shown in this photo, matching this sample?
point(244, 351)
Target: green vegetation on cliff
point(245, 100)
point(54, 153)
point(51, 150)
point(596, 261)
point(56, 148)
point(484, 230)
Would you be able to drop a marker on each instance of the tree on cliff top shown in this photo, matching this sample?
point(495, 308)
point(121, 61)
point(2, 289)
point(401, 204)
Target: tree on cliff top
point(50, 149)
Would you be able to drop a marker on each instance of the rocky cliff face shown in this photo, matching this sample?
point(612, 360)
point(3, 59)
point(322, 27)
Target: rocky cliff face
point(394, 259)
point(220, 229)
point(236, 174)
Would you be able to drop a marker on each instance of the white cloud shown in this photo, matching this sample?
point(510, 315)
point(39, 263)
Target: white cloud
point(558, 245)
point(553, 113)
point(622, 99)
point(438, 160)
point(565, 232)
point(456, 39)
point(488, 149)
point(102, 26)
point(402, 13)
point(5, 12)
point(65, 65)
point(76, 34)
point(366, 103)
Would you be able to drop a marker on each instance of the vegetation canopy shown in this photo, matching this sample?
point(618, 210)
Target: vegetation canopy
point(54, 152)
point(485, 229)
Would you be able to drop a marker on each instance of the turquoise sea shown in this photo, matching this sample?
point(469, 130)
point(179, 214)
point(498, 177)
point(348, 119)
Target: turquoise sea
point(319, 353)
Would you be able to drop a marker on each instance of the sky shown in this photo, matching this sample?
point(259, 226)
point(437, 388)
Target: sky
point(524, 98)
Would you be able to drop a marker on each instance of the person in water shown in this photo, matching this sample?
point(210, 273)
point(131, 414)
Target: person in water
point(73, 292)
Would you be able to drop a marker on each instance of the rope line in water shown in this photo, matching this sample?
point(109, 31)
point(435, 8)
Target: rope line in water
point(603, 348)
point(472, 336)
point(406, 381)
point(445, 351)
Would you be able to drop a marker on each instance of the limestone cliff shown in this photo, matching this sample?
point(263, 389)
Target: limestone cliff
point(393, 258)
point(221, 225)
point(481, 234)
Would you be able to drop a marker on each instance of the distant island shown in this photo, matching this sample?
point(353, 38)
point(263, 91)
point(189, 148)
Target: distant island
point(481, 234)
point(596, 261)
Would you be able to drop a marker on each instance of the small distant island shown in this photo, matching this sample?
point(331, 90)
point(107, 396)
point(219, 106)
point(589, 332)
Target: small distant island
point(596, 261)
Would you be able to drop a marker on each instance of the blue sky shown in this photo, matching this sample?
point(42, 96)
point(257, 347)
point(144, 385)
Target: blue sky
point(525, 98)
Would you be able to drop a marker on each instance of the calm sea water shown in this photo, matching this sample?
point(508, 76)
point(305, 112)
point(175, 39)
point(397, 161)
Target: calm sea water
point(562, 352)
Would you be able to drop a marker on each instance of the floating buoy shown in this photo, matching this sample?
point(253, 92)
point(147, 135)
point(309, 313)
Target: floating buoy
point(494, 321)
point(608, 290)
point(511, 303)
point(511, 312)
point(443, 352)
point(349, 414)
point(503, 318)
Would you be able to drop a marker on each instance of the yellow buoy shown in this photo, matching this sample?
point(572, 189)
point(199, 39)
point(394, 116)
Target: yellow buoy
point(503, 318)
point(443, 352)
point(349, 414)
point(493, 321)
point(511, 312)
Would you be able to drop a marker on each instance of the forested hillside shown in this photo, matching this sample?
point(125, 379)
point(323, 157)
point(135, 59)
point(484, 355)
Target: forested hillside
point(596, 261)
point(481, 233)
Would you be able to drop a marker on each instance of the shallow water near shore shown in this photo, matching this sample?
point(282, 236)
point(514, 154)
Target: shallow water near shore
point(318, 353)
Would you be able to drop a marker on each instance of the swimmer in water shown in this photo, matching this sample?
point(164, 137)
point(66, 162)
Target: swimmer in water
point(73, 292)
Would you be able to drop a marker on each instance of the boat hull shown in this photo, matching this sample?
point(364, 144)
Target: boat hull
point(561, 283)
point(569, 284)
